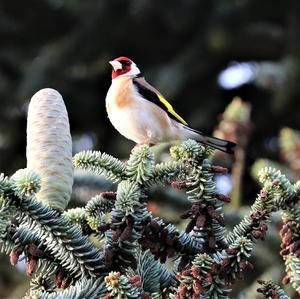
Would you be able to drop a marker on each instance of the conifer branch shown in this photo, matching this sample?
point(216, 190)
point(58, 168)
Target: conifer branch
point(271, 291)
point(6, 213)
point(78, 254)
point(97, 210)
point(165, 241)
point(100, 164)
point(200, 281)
point(126, 226)
point(290, 246)
point(254, 225)
point(120, 286)
point(64, 241)
point(19, 240)
point(154, 275)
point(165, 173)
point(277, 193)
point(42, 283)
point(84, 288)
point(140, 164)
point(206, 223)
point(210, 275)
point(93, 217)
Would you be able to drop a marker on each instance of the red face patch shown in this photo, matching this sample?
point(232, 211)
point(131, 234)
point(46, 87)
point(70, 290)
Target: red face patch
point(126, 67)
point(124, 70)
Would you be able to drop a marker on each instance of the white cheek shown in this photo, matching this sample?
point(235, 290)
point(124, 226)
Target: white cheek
point(135, 70)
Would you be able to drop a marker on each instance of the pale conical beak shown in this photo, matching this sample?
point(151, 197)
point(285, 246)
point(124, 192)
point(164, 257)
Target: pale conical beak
point(116, 65)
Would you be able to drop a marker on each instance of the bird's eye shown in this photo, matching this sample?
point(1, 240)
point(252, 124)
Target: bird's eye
point(125, 62)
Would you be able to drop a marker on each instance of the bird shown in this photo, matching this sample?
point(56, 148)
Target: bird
point(142, 114)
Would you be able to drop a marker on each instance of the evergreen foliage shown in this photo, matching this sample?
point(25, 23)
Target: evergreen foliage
point(137, 244)
point(139, 254)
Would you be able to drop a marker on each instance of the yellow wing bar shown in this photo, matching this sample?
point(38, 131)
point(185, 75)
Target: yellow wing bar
point(150, 94)
point(171, 110)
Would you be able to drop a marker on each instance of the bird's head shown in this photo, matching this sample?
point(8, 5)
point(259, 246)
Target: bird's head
point(123, 66)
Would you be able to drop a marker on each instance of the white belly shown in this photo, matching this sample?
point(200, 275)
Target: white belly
point(139, 120)
point(135, 124)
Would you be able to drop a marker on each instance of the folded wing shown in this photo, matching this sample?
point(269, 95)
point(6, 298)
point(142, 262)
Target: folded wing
point(151, 94)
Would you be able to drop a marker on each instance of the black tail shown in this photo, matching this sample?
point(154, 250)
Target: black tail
point(220, 144)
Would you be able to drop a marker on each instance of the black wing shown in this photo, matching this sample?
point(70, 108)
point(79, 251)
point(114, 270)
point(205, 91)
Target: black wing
point(158, 100)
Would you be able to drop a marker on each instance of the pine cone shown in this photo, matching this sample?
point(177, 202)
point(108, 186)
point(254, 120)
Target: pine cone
point(49, 147)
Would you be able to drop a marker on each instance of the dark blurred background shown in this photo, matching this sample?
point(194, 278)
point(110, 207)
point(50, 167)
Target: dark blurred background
point(199, 54)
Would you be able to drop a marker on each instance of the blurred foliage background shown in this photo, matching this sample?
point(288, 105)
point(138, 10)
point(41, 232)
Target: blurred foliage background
point(199, 54)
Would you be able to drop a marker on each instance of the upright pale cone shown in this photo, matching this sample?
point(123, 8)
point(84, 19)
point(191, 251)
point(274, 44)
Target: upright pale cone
point(49, 147)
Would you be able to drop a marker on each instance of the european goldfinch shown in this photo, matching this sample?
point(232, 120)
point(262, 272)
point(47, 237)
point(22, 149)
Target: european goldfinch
point(140, 112)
